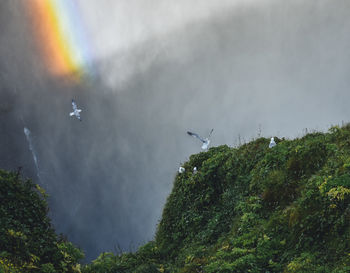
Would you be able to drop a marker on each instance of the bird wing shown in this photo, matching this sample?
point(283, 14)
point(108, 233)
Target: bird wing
point(74, 105)
point(196, 135)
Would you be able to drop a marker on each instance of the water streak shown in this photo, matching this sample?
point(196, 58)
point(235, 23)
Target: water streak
point(31, 148)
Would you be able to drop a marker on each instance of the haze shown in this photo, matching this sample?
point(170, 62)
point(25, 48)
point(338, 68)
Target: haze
point(269, 68)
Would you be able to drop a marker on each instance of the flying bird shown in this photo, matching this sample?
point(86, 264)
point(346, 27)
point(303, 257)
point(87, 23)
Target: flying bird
point(205, 141)
point(272, 143)
point(76, 111)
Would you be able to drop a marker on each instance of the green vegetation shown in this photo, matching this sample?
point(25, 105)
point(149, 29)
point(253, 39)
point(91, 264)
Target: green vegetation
point(254, 209)
point(248, 209)
point(28, 242)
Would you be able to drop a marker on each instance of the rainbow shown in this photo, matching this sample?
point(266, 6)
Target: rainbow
point(60, 37)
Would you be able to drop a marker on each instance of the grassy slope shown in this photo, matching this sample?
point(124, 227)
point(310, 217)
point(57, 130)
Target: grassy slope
point(254, 209)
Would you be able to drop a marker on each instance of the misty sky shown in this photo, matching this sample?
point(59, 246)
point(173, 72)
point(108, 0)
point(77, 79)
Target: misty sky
point(119, 25)
point(162, 68)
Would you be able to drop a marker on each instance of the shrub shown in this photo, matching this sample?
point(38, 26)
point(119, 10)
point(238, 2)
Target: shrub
point(27, 239)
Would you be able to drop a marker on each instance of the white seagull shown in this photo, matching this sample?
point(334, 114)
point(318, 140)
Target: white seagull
point(272, 143)
point(195, 170)
point(76, 111)
point(181, 169)
point(205, 141)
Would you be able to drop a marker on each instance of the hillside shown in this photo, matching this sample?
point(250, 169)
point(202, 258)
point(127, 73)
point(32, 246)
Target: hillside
point(28, 242)
point(247, 209)
point(254, 209)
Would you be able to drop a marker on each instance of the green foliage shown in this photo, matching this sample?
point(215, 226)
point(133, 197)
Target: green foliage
point(143, 261)
point(255, 209)
point(247, 209)
point(27, 239)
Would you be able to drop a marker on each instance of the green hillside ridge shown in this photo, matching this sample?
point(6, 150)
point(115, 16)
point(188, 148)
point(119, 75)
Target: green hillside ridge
point(28, 242)
point(252, 209)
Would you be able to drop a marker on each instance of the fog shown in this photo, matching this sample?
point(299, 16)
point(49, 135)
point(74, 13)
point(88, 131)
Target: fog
point(266, 68)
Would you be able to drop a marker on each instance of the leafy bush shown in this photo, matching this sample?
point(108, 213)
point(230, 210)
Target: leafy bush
point(28, 241)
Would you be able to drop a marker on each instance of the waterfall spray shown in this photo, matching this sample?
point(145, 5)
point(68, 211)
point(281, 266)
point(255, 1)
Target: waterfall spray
point(31, 148)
